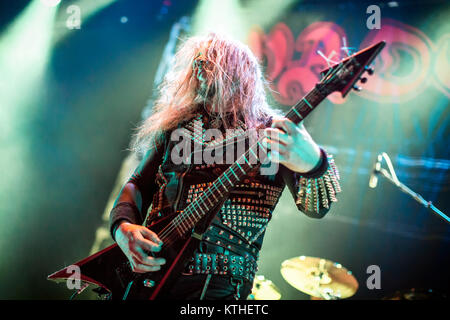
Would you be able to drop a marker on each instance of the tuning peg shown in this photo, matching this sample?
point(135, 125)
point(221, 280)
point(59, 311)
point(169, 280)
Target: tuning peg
point(363, 80)
point(369, 70)
point(356, 88)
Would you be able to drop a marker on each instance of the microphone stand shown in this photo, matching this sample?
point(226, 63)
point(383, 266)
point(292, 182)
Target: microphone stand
point(393, 179)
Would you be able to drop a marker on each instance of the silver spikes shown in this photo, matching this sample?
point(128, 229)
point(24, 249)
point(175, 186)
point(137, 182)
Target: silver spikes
point(316, 193)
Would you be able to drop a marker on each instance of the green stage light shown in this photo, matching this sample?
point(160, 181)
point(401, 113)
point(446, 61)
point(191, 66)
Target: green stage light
point(234, 19)
point(81, 10)
point(51, 3)
point(24, 50)
point(219, 16)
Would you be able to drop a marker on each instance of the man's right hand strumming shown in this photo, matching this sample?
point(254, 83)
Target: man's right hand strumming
point(136, 242)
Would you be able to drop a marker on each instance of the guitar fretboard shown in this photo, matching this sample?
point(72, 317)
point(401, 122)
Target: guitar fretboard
point(250, 160)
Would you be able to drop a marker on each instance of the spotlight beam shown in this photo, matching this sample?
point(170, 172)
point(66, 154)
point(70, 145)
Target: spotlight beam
point(231, 18)
point(24, 50)
point(87, 9)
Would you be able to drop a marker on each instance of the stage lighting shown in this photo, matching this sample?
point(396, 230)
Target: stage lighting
point(219, 16)
point(233, 18)
point(51, 3)
point(25, 47)
point(87, 8)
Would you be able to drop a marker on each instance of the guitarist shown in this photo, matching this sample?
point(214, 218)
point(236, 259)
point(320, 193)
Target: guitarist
point(216, 83)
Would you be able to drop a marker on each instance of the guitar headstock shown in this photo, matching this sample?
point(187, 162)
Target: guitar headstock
point(343, 75)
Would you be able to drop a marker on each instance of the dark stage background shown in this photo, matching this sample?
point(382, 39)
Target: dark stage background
point(70, 98)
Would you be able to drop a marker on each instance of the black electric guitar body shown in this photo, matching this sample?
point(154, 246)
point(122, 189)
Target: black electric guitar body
point(110, 270)
point(181, 232)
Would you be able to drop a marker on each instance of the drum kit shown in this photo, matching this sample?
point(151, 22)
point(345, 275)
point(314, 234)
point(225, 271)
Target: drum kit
point(321, 279)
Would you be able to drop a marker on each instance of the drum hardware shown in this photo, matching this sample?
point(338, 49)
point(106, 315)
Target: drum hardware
point(319, 278)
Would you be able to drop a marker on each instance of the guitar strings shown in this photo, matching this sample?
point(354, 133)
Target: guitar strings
point(178, 221)
point(168, 234)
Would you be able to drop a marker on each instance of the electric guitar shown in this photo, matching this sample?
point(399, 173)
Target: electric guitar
point(181, 231)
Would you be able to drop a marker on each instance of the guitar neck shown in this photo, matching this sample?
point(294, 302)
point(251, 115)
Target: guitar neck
point(250, 160)
point(304, 107)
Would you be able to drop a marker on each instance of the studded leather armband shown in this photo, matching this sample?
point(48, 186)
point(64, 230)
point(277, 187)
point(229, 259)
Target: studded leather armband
point(316, 190)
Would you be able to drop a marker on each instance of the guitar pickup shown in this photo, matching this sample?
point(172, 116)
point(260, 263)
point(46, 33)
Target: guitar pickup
point(197, 236)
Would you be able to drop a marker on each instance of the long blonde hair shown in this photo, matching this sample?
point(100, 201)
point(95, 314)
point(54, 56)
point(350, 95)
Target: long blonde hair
point(231, 83)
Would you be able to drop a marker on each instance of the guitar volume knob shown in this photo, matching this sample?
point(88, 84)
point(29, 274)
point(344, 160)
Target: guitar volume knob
point(148, 283)
point(369, 70)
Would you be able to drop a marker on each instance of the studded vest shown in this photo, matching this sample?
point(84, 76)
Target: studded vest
point(239, 226)
point(231, 244)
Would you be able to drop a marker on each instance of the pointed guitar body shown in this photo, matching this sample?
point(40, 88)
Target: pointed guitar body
point(110, 270)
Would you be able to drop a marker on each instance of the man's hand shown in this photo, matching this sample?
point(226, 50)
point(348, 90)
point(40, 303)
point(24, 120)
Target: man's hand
point(291, 145)
point(136, 242)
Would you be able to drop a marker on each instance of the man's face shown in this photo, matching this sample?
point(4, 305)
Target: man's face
point(201, 74)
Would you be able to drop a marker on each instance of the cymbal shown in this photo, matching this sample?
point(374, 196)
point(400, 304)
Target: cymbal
point(319, 277)
point(264, 289)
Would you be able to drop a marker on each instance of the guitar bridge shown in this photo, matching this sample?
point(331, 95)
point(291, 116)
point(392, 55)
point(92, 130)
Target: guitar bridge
point(197, 236)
